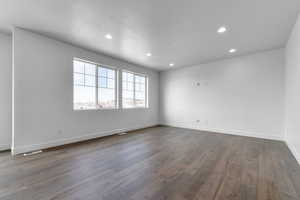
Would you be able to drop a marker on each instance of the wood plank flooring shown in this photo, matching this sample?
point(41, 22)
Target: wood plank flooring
point(160, 163)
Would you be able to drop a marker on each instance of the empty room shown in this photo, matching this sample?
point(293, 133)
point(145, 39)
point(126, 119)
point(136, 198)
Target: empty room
point(149, 100)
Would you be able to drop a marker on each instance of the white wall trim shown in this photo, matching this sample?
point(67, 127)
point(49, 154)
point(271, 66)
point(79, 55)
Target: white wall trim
point(34, 147)
point(245, 133)
point(4, 147)
point(294, 151)
point(233, 132)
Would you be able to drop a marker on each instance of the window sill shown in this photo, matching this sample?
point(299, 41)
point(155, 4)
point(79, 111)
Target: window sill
point(97, 109)
point(111, 109)
point(135, 108)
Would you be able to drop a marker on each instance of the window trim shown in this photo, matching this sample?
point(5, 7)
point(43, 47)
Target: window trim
point(116, 70)
point(146, 89)
point(118, 87)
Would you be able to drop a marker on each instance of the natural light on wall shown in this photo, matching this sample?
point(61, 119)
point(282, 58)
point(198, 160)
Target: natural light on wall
point(94, 86)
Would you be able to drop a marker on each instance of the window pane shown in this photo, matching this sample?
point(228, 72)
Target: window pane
point(140, 95)
point(124, 85)
point(143, 87)
point(140, 103)
point(106, 98)
point(102, 82)
point(127, 91)
point(140, 99)
point(110, 83)
point(102, 71)
point(128, 94)
point(137, 78)
point(78, 66)
point(111, 73)
point(140, 87)
point(133, 90)
point(130, 77)
point(106, 90)
point(140, 92)
point(90, 80)
point(137, 87)
point(90, 69)
point(84, 97)
point(78, 79)
point(124, 76)
point(128, 101)
point(85, 86)
point(130, 86)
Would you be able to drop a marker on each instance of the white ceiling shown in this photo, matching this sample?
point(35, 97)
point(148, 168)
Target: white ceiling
point(179, 31)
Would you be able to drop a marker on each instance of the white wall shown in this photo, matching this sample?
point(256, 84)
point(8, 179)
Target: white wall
point(43, 96)
point(242, 95)
point(5, 91)
point(293, 91)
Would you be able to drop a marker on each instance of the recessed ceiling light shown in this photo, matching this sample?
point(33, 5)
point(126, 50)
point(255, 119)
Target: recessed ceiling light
point(171, 64)
point(148, 54)
point(108, 36)
point(232, 50)
point(222, 29)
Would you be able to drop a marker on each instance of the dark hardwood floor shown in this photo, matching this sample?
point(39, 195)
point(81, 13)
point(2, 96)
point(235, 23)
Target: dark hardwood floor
point(156, 163)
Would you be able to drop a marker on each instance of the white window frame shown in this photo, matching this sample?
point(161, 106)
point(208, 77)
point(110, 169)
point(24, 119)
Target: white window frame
point(117, 104)
point(146, 90)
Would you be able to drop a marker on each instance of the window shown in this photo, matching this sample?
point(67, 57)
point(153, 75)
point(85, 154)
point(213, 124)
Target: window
point(134, 90)
point(94, 86)
point(106, 88)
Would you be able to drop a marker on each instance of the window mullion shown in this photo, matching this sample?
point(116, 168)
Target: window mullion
point(117, 89)
point(134, 102)
point(84, 75)
point(97, 86)
point(146, 92)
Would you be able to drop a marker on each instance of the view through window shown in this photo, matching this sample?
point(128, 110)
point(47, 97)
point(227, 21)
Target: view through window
point(94, 86)
point(134, 90)
point(106, 88)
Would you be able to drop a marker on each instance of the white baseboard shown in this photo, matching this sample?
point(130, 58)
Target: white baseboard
point(34, 147)
point(294, 151)
point(232, 132)
point(245, 133)
point(4, 147)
